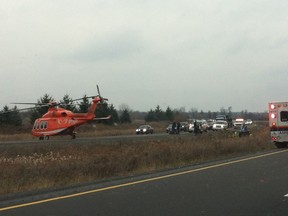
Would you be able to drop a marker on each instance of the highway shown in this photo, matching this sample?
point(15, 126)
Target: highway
point(254, 185)
point(58, 140)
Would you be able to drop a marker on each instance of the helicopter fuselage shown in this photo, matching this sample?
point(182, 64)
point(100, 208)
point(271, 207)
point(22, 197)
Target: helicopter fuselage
point(59, 121)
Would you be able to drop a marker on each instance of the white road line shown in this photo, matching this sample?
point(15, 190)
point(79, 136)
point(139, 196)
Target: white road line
point(286, 195)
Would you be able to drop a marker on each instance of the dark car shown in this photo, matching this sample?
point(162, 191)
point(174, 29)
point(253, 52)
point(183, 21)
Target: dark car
point(172, 130)
point(144, 129)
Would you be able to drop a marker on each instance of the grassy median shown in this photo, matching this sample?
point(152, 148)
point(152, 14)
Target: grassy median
point(34, 167)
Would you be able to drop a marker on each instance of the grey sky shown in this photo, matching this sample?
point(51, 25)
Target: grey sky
point(203, 54)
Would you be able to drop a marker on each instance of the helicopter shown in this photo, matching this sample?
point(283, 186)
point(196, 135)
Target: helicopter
point(60, 121)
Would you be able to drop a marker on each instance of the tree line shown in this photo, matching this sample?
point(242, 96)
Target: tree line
point(12, 116)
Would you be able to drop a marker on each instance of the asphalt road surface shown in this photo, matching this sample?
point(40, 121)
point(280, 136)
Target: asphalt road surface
point(255, 185)
point(86, 140)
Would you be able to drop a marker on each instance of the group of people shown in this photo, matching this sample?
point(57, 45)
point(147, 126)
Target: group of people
point(176, 128)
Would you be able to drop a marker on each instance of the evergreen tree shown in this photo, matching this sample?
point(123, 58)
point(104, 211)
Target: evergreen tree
point(84, 104)
point(159, 114)
point(34, 115)
point(16, 118)
point(68, 103)
point(104, 110)
point(125, 117)
point(151, 116)
point(39, 111)
point(10, 117)
point(5, 116)
point(169, 114)
point(114, 114)
point(155, 115)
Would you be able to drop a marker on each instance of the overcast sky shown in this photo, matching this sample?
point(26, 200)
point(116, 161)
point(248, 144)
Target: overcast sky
point(204, 54)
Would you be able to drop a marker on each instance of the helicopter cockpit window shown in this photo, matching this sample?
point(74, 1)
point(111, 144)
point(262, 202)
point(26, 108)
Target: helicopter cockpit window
point(36, 125)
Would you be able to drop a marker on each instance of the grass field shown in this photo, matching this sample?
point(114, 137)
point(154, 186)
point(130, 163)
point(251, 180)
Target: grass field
point(34, 167)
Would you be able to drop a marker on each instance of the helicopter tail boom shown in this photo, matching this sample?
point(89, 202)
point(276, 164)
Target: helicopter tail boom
point(93, 107)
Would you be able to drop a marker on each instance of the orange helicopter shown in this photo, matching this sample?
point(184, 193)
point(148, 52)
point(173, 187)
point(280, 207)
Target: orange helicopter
point(59, 121)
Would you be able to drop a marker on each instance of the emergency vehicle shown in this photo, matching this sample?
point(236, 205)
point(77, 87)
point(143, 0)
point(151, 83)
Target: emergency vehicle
point(278, 123)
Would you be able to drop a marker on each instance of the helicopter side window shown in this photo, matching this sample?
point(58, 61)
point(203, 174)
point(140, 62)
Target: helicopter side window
point(43, 125)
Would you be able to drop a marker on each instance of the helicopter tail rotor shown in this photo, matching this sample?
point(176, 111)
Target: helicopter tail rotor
point(99, 95)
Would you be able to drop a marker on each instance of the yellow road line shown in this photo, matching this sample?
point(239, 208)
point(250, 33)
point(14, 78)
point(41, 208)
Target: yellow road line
point(140, 181)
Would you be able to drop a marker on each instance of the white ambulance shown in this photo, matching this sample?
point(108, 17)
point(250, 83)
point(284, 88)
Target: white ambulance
point(278, 123)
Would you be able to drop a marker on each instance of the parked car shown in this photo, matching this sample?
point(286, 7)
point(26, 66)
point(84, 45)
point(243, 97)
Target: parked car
point(248, 122)
point(238, 122)
point(210, 123)
point(202, 125)
point(220, 125)
point(226, 118)
point(144, 129)
point(191, 126)
point(183, 126)
point(169, 129)
point(221, 117)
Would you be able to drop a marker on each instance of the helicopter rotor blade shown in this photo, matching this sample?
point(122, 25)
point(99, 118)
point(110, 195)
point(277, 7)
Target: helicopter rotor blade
point(98, 91)
point(83, 98)
point(30, 104)
point(53, 103)
point(17, 110)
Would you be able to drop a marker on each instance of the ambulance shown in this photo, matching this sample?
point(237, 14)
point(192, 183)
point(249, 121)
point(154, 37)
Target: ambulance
point(278, 123)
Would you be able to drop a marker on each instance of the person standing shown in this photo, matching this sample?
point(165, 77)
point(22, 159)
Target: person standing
point(178, 127)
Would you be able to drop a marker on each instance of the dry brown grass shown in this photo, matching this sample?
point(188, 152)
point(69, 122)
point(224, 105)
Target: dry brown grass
point(36, 167)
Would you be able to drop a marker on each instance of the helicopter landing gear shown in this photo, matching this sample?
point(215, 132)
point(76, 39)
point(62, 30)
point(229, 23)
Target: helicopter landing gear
point(73, 135)
point(44, 137)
